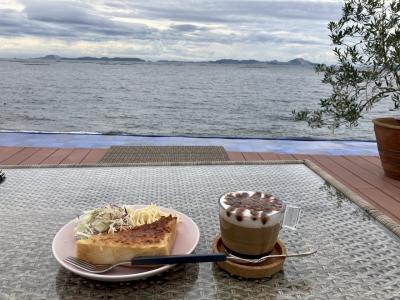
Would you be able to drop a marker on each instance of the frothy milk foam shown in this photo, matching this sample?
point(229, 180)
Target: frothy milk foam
point(259, 218)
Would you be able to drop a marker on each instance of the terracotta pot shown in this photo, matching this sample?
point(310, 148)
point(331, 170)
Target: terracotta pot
point(387, 132)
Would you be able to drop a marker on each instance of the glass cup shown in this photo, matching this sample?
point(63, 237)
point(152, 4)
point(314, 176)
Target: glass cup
point(250, 221)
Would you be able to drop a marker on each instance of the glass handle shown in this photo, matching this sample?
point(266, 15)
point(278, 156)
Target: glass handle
point(292, 217)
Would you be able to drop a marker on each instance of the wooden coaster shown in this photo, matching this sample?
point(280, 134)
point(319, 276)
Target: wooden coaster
point(265, 269)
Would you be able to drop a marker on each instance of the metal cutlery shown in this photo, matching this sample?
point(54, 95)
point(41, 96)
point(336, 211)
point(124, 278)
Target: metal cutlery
point(262, 259)
point(175, 259)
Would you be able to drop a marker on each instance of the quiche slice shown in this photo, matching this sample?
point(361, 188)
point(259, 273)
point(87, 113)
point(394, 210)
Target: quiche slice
point(156, 238)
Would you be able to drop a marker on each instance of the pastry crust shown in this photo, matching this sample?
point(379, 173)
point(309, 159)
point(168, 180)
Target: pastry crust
point(156, 238)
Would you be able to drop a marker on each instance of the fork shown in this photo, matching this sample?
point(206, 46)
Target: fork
point(242, 260)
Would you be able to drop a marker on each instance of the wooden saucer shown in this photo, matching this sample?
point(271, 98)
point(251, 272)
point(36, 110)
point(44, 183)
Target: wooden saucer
point(265, 269)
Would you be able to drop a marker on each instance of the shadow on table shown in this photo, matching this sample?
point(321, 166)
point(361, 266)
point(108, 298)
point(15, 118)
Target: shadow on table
point(275, 287)
point(174, 283)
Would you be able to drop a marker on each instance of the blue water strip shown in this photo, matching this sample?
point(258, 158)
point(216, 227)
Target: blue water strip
point(85, 140)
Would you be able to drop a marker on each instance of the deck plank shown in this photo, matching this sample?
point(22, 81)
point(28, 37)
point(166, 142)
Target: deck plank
point(283, 156)
point(365, 164)
point(373, 168)
point(7, 152)
point(57, 156)
point(39, 156)
point(269, 156)
point(94, 156)
point(382, 203)
point(75, 157)
point(341, 172)
point(358, 185)
point(377, 198)
point(374, 160)
point(235, 156)
point(252, 156)
point(20, 156)
point(375, 181)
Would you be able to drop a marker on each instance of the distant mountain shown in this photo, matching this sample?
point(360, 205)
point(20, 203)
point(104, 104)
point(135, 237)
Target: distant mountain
point(52, 57)
point(172, 61)
point(293, 62)
point(234, 61)
point(296, 61)
point(90, 58)
point(299, 61)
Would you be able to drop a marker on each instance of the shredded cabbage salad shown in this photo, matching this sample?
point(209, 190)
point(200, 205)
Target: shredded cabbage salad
point(112, 218)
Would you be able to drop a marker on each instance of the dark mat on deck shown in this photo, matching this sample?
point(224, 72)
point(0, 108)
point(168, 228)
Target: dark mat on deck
point(146, 154)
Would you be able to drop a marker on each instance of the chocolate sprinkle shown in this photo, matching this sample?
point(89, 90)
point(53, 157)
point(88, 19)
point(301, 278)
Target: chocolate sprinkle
point(239, 213)
point(264, 217)
point(258, 202)
point(229, 211)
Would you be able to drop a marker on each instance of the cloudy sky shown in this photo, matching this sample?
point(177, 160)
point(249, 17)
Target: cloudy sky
point(169, 29)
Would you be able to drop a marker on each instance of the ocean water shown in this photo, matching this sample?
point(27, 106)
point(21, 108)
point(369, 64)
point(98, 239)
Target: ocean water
point(178, 99)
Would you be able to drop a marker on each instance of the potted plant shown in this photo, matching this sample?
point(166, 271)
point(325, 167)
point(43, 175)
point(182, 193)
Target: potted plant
point(366, 43)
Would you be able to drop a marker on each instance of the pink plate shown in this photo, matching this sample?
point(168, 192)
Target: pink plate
point(187, 239)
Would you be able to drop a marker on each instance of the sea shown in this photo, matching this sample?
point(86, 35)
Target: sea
point(167, 99)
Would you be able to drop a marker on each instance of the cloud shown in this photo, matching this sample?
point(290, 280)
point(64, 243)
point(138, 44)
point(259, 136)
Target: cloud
point(187, 29)
point(13, 23)
point(234, 11)
point(72, 20)
point(10, 18)
point(72, 12)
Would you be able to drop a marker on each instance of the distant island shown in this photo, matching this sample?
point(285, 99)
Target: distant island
point(296, 61)
point(293, 62)
point(91, 58)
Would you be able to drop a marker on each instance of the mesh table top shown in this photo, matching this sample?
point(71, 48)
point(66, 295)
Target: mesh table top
point(358, 258)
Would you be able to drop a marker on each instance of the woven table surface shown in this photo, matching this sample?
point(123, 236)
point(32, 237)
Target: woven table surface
point(358, 258)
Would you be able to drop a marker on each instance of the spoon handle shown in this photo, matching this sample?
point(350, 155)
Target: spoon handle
point(177, 259)
point(293, 254)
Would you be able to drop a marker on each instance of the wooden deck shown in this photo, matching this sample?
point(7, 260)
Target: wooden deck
point(362, 174)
